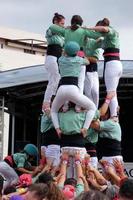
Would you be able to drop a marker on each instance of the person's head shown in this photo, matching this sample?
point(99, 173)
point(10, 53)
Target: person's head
point(58, 19)
point(31, 150)
point(9, 190)
point(98, 23)
point(45, 177)
point(76, 21)
point(37, 191)
point(71, 181)
point(69, 191)
point(71, 48)
point(126, 190)
point(92, 195)
point(105, 22)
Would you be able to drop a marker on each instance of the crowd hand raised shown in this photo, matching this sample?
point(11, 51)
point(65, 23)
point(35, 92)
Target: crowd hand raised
point(119, 167)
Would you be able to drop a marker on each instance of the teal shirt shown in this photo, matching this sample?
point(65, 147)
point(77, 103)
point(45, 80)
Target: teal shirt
point(21, 160)
point(92, 48)
point(46, 123)
point(111, 39)
point(71, 122)
point(53, 38)
point(92, 136)
point(71, 66)
point(110, 129)
point(78, 35)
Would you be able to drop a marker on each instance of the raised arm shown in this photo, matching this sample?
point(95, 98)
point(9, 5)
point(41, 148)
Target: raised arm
point(103, 29)
point(57, 29)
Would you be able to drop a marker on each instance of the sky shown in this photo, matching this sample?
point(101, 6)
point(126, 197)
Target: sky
point(36, 16)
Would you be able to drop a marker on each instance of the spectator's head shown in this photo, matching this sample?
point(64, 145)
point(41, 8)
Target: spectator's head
point(45, 177)
point(70, 181)
point(69, 192)
point(92, 195)
point(58, 19)
point(9, 190)
point(126, 190)
point(71, 48)
point(37, 191)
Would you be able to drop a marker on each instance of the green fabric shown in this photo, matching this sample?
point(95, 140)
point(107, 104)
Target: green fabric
point(71, 122)
point(97, 115)
point(77, 35)
point(53, 38)
point(92, 136)
point(79, 189)
point(71, 66)
point(111, 39)
point(110, 129)
point(21, 160)
point(92, 48)
point(46, 123)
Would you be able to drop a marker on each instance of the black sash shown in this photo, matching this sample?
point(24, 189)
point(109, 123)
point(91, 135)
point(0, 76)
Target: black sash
point(69, 80)
point(92, 67)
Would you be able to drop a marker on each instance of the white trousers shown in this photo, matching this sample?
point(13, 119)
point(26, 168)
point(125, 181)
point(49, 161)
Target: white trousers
point(113, 72)
point(71, 172)
point(91, 87)
point(71, 93)
point(53, 154)
point(53, 77)
point(81, 79)
point(9, 174)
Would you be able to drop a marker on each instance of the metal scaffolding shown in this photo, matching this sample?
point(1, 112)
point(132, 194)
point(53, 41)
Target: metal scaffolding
point(1, 125)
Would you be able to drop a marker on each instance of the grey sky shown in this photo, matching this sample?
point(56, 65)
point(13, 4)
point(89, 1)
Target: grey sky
point(36, 15)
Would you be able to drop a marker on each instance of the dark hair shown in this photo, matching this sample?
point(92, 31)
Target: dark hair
point(40, 190)
point(126, 189)
point(9, 190)
point(92, 195)
point(53, 192)
point(76, 21)
point(57, 17)
point(105, 22)
point(45, 177)
point(70, 181)
point(99, 23)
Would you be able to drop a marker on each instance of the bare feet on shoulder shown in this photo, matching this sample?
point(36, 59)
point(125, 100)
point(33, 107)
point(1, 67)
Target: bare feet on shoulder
point(46, 107)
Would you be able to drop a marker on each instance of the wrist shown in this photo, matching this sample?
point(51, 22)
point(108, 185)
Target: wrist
point(77, 162)
point(64, 161)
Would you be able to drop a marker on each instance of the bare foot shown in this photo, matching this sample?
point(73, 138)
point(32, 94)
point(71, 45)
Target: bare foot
point(46, 107)
point(77, 108)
